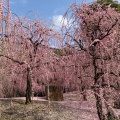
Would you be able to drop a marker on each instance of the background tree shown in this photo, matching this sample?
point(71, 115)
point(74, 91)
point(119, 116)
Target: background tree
point(113, 4)
point(26, 43)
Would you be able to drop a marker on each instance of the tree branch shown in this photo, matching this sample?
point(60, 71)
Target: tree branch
point(16, 61)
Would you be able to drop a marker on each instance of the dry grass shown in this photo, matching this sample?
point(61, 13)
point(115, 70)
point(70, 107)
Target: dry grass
point(72, 108)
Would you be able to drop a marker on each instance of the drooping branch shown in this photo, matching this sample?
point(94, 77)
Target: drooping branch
point(12, 59)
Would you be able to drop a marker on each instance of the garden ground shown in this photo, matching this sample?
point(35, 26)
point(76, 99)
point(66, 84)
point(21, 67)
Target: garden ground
point(72, 108)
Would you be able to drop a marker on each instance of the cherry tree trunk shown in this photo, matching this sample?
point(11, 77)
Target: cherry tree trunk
point(97, 92)
point(55, 93)
point(84, 93)
point(29, 87)
point(117, 102)
point(117, 98)
point(99, 104)
point(99, 96)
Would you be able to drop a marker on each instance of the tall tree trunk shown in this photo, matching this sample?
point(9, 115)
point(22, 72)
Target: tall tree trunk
point(99, 96)
point(84, 93)
point(111, 115)
point(29, 87)
point(117, 98)
point(97, 92)
point(99, 104)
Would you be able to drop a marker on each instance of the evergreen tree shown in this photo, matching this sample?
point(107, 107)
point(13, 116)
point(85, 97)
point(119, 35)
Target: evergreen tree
point(112, 3)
